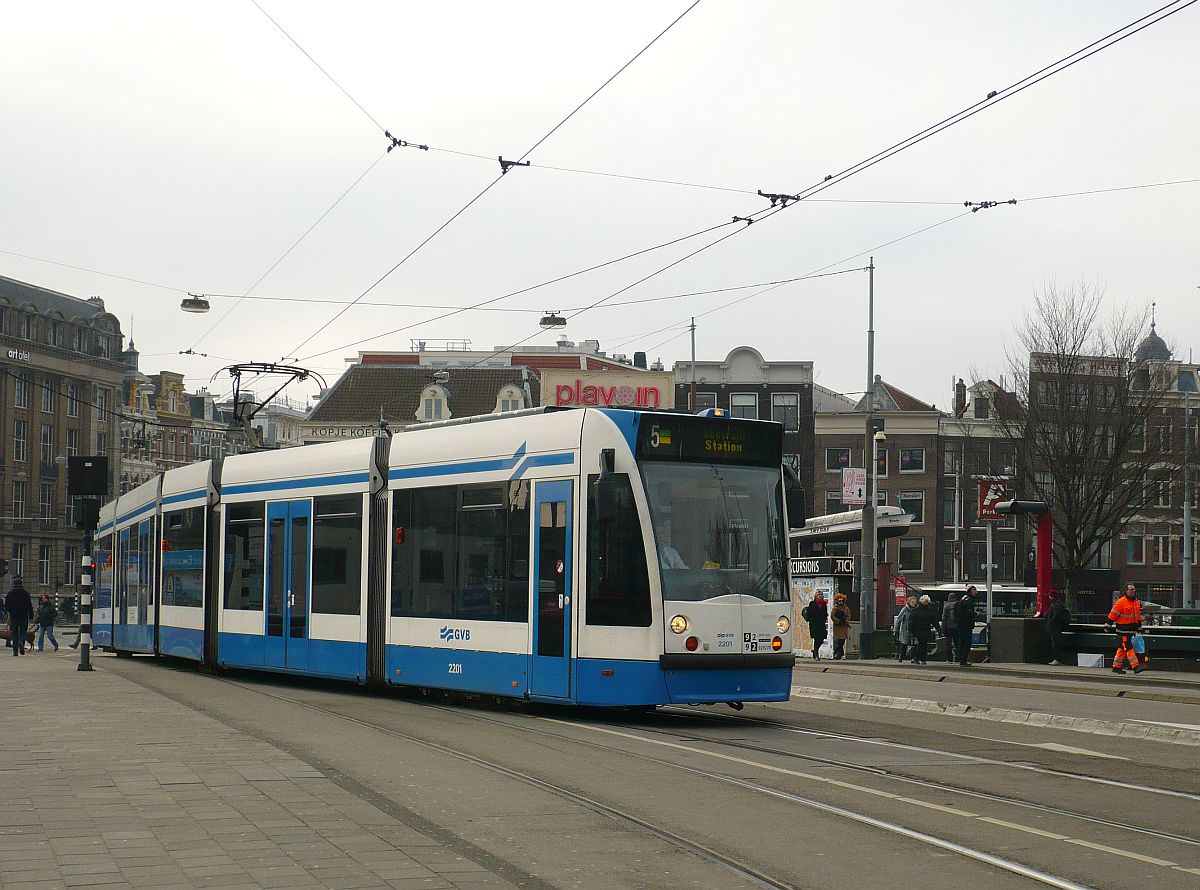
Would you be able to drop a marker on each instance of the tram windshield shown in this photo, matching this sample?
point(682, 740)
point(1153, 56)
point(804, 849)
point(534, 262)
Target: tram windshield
point(718, 530)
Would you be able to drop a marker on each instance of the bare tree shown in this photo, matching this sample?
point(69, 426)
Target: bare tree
point(1087, 426)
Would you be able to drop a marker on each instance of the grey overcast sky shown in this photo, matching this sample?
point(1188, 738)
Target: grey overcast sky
point(190, 145)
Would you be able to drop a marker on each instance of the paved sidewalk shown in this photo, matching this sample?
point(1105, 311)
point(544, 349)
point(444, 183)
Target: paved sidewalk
point(107, 784)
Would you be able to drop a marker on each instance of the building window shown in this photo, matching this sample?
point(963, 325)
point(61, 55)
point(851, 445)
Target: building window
point(833, 502)
point(20, 392)
point(881, 459)
point(981, 409)
point(1161, 548)
point(44, 564)
point(102, 396)
point(432, 404)
point(510, 398)
point(1137, 438)
point(18, 500)
point(837, 459)
point(47, 444)
point(912, 460)
point(20, 440)
point(705, 400)
point(48, 395)
point(913, 502)
point(27, 327)
point(1005, 554)
point(785, 409)
point(1162, 493)
point(72, 443)
point(744, 404)
point(46, 506)
point(71, 572)
point(17, 566)
point(1044, 483)
point(101, 443)
point(912, 555)
point(105, 346)
point(1136, 545)
point(72, 400)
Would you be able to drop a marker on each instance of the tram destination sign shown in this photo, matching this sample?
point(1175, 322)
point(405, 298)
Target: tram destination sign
point(710, 440)
point(822, 566)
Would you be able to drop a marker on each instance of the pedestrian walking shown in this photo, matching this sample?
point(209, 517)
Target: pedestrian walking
point(964, 621)
point(949, 628)
point(816, 614)
point(1126, 620)
point(923, 617)
point(47, 613)
point(20, 610)
point(903, 625)
point(841, 625)
point(1058, 619)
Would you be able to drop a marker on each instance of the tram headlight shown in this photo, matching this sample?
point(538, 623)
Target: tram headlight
point(783, 624)
point(679, 624)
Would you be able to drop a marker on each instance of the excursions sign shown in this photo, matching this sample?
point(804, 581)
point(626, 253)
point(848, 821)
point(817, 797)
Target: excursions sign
point(710, 440)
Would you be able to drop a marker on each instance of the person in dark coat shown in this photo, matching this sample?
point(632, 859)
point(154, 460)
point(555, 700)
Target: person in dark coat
point(816, 614)
point(924, 616)
point(47, 613)
point(1058, 619)
point(964, 620)
point(20, 610)
point(903, 628)
point(949, 627)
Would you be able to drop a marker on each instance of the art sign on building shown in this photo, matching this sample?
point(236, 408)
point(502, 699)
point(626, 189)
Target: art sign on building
point(608, 389)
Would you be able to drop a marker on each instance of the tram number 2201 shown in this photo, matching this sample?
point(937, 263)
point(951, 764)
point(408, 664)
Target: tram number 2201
point(455, 668)
point(751, 644)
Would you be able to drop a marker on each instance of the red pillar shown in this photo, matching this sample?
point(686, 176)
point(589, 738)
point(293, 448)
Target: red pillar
point(1045, 550)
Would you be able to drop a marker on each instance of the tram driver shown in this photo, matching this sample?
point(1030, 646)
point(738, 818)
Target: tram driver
point(668, 556)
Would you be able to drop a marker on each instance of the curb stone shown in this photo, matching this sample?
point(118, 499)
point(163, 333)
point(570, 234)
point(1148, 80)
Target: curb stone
point(1169, 734)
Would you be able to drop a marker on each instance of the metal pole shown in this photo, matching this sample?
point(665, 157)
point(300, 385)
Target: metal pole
point(866, 646)
point(85, 606)
point(989, 570)
point(1189, 599)
point(692, 391)
point(957, 520)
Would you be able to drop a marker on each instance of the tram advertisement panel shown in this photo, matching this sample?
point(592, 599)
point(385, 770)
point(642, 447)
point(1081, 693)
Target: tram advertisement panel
point(710, 440)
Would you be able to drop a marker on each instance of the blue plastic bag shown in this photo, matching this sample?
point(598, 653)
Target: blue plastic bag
point(1139, 644)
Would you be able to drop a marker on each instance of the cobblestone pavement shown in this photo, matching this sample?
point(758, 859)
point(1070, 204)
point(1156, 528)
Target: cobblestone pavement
point(107, 784)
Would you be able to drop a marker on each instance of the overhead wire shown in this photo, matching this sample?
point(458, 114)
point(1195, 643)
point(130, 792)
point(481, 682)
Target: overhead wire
point(494, 182)
point(992, 99)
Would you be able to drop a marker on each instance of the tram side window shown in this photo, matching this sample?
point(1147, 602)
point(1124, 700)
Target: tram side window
point(244, 561)
point(103, 572)
point(337, 555)
point(461, 552)
point(183, 558)
point(618, 585)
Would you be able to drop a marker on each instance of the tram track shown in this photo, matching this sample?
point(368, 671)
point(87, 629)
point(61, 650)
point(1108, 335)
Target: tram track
point(748, 872)
point(729, 719)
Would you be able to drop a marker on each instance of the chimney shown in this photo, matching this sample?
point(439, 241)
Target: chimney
point(639, 360)
point(960, 398)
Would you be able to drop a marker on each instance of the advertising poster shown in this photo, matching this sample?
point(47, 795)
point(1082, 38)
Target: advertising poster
point(803, 592)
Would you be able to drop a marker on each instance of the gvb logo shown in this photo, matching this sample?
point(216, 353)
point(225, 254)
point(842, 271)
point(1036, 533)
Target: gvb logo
point(454, 633)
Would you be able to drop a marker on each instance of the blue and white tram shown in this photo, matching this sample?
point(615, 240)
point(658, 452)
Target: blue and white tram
point(594, 556)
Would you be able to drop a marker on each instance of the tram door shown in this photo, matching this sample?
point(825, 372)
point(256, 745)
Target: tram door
point(550, 673)
point(288, 530)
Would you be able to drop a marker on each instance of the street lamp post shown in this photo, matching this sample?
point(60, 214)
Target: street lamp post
point(866, 643)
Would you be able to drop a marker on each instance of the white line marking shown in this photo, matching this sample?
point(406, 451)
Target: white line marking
point(1128, 855)
point(1049, 746)
point(1172, 725)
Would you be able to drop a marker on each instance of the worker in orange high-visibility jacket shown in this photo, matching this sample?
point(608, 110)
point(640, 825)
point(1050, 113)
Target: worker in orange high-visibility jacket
point(1126, 619)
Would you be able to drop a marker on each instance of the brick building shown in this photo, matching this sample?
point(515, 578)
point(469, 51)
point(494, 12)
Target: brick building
point(749, 386)
point(60, 383)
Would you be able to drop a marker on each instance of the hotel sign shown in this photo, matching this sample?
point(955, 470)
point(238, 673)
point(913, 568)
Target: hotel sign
point(19, 355)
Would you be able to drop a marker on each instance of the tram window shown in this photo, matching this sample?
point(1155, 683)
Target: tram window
point(244, 556)
point(337, 555)
point(464, 553)
point(618, 586)
point(183, 558)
